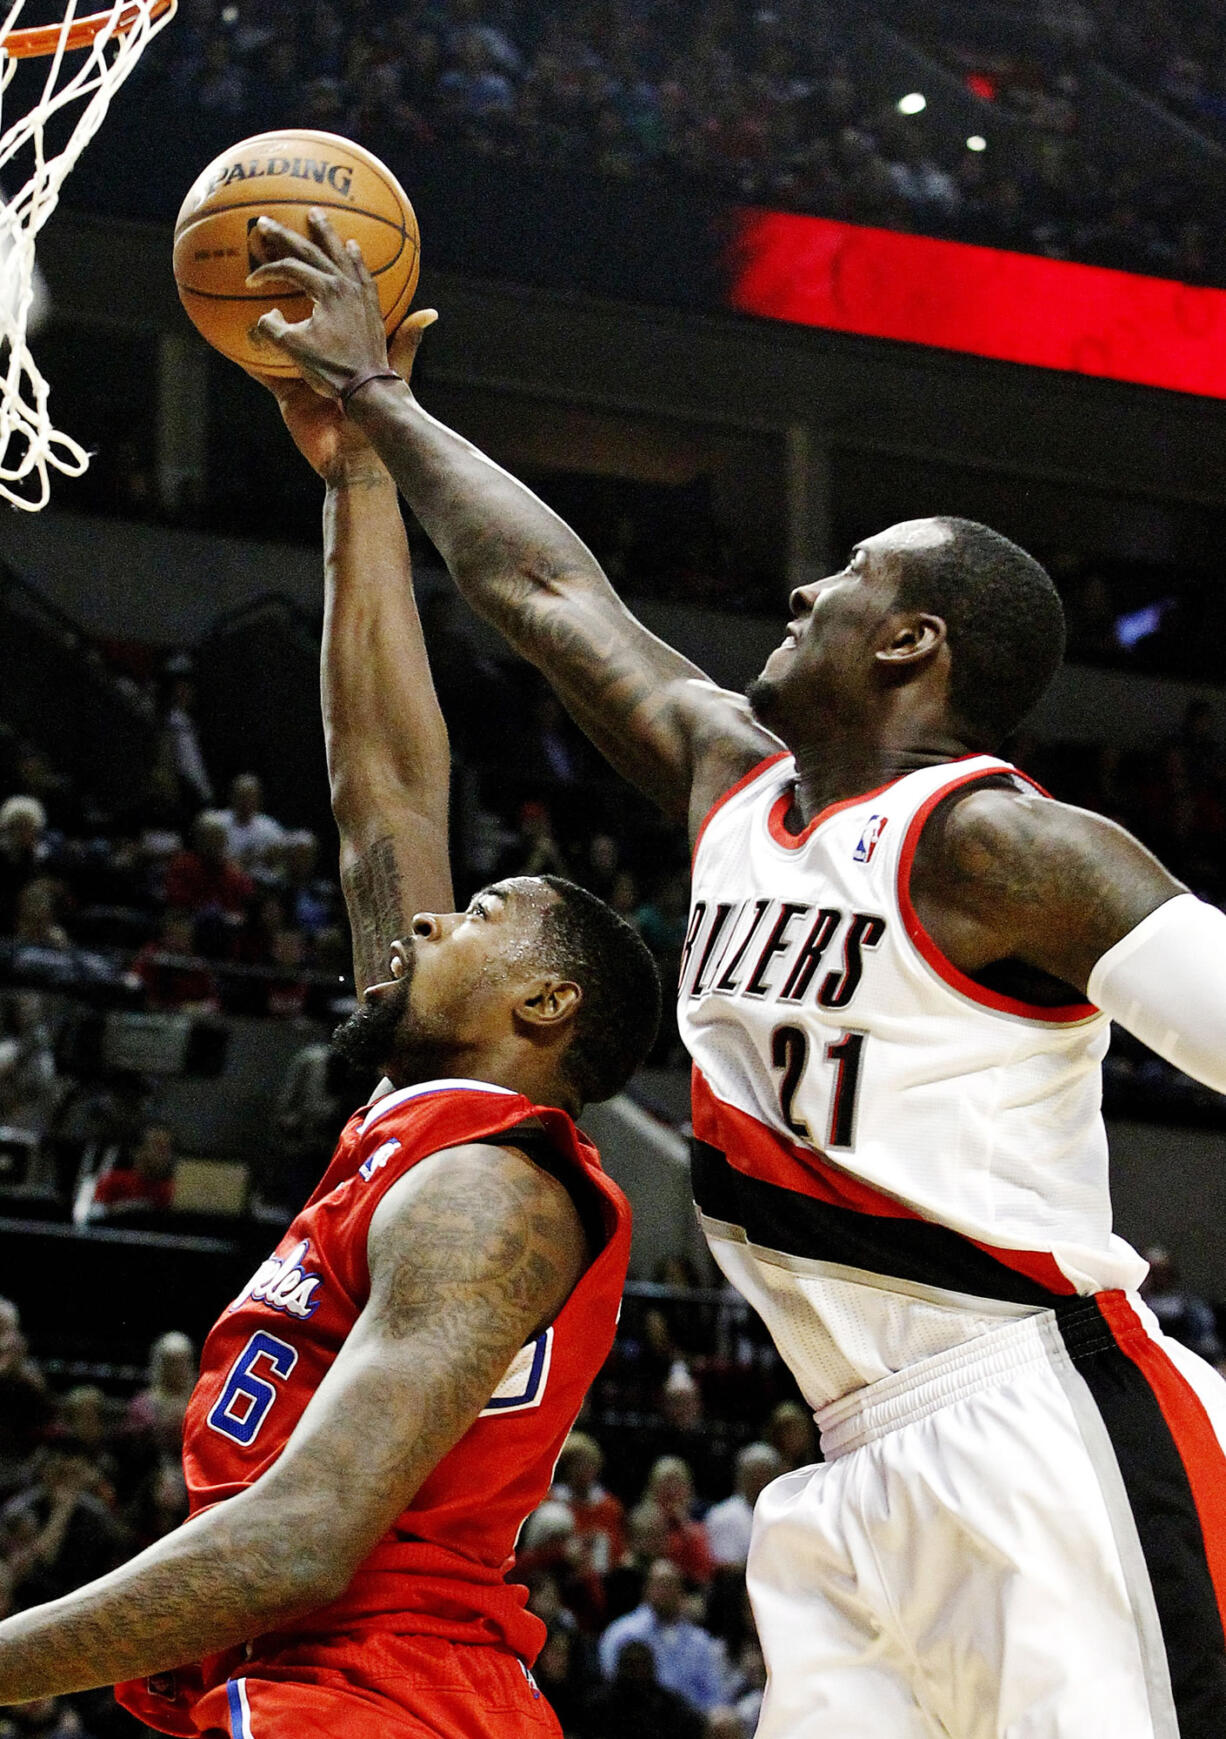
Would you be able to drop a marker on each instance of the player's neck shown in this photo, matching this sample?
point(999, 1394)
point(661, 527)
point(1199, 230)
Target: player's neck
point(835, 770)
point(512, 1065)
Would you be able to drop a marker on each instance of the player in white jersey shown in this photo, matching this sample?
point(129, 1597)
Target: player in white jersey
point(896, 987)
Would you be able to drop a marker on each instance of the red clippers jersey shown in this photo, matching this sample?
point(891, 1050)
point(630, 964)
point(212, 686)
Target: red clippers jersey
point(440, 1568)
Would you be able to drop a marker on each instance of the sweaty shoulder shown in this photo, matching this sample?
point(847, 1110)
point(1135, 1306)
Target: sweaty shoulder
point(728, 742)
point(1001, 873)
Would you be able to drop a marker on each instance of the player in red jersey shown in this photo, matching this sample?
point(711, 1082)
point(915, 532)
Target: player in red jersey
point(384, 1402)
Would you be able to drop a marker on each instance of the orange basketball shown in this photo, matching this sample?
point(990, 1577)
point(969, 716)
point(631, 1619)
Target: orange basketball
point(283, 175)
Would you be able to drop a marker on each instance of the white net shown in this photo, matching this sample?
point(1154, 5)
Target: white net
point(77, 84)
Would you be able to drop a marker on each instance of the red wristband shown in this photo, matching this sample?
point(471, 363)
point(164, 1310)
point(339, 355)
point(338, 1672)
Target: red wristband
point(364, 376)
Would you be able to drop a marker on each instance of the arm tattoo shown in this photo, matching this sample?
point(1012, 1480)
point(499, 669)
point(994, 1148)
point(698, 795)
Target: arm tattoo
point(483, 1260)
point(466, 1265)
point(373, 898)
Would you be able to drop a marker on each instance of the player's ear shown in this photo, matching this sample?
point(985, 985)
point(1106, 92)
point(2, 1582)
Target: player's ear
point(913, 639)
point(547, 1004)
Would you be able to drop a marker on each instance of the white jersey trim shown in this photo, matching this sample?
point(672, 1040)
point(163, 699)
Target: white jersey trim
point(403, 1094)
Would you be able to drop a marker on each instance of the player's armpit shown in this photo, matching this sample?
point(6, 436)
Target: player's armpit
point(1005, 875)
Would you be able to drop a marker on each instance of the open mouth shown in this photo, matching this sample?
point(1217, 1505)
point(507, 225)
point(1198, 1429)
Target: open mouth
point(399, 966)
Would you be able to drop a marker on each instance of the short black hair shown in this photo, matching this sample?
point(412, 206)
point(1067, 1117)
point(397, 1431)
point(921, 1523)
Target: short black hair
point(619, 1016)
point(1004, 620)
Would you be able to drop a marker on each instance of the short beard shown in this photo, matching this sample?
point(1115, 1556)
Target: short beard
point(763, 697)
point(386, 1037)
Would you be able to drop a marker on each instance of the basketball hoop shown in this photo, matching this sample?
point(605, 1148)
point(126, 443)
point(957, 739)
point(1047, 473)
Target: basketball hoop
point(109, 44)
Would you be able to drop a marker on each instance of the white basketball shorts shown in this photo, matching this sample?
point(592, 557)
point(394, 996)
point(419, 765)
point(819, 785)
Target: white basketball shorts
point(1023, 1538)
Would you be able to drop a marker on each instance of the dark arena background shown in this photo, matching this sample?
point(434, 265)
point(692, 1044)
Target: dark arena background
point(731, 285)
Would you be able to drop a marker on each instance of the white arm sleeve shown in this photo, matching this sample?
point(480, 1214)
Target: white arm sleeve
point(1166, 982)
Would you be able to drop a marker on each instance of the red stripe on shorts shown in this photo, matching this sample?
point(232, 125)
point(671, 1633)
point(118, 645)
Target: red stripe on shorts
point(1191, 1431)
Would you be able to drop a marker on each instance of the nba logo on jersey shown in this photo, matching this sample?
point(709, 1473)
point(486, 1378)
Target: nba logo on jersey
point(378, 1158)
point(874, 827)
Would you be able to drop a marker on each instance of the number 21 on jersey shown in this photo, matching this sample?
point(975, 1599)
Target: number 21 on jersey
point(790, 1056)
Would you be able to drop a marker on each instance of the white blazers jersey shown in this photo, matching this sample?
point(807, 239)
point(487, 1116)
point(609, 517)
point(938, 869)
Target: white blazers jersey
point(889, 1157)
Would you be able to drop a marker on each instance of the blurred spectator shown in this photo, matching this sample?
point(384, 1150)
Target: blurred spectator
point(536, 851)
point(160, 1503)
point(561, 1672)
point(603, 865)
point(82, 1416)
point(1181, 1314)
point(24, 853)
point(30, 1087)
point(550, 1542)
point(44, 1718)
point(309, 899)
point(647, 1540)
point(751, 1683)
point(141, 1184)
point(59, 1533)
point(253, 839)
point(684, 1432)
point(26, 1408)
point(35, 922)
point(315, 1098)
point(637, 1703)
point(157, 1412)
point(730, 1523)
point(671, 1487)
point(179, 755)
point(203, 879)
point(599, 1517)
point(174, 979)
point(791, 1431)
point(688, 1659)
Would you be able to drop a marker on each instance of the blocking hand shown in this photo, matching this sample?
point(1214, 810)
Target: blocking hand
point(343, 335)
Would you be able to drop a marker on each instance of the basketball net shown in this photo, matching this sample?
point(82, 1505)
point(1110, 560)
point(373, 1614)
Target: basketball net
point(87, 61)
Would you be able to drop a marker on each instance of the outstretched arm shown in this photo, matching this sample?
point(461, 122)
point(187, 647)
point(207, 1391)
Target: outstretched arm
point(388, 755)
point(471, 1253)
point(652, 713)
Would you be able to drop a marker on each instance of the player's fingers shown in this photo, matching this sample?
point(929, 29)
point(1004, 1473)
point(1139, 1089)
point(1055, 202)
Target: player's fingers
point(275, 327)
point(325, 236)
point(276, 241)
point(357, 264)
point(296, 272)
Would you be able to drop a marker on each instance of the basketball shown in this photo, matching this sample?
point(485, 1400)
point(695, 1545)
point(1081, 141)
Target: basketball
point(282, 175)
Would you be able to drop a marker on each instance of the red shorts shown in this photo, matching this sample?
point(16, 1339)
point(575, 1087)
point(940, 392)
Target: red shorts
point(381, 1686)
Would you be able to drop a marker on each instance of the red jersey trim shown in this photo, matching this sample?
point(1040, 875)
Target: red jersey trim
point(730, 793)
point(1190, 1427)
point(1062, 1014)
point(794, 841)
point(760, 1152)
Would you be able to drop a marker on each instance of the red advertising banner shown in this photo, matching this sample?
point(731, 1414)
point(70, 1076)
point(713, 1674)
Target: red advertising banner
point(983, 301)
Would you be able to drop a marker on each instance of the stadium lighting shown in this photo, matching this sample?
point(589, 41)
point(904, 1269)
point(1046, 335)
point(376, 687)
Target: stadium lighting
point(914, 103)
point(976, 142)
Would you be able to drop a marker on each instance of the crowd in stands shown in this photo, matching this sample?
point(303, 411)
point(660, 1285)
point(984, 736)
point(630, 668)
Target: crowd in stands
point(635, 1562)
point(776, 104)
point(181, 907)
